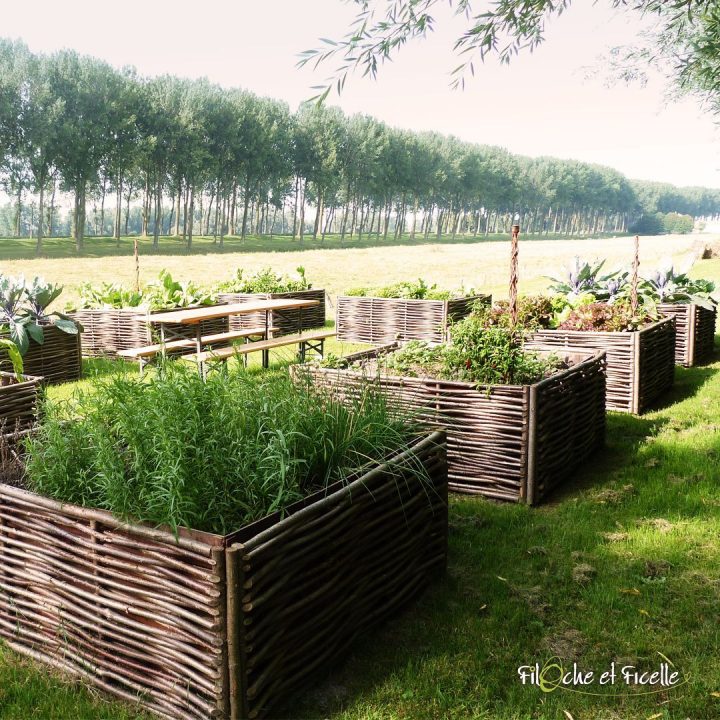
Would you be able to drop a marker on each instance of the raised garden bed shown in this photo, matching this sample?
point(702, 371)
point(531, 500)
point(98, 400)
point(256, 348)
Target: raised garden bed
point(203, 625)
point(509, 442)
point(695, 331)
point(107, 331)
point(640, 364)
point(58, 359)
point(378, 320)
point(287, 321)
point(18, 402)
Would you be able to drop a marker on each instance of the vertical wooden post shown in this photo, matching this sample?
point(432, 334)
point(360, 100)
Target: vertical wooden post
point(531, 446)
point(635, 277)
point(223, 695)
point(137, 264)
point(514, 273)
point(236, 662)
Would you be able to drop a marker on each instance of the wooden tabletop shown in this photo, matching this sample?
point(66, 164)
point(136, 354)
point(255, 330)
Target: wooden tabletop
point(196, 315)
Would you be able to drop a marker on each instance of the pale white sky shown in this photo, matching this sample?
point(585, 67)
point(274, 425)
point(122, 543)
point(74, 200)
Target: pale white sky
point(542, 104)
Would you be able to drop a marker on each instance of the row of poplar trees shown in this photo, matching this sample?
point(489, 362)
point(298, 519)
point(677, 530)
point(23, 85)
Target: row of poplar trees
point(200, 159)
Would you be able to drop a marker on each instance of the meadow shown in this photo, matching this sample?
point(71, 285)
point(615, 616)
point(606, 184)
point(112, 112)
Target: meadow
point(621, 565)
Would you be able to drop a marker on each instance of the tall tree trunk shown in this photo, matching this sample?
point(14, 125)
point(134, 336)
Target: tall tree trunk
point(118, 206)
point(127, 210)
point(102, 204)
point(158, 212)
point(302, 213)
point(178, 199)
point(18, 211)
point(38, 245)
point(191, 214)
point(51, 210)
point(246, 205)
point(146, 206)
point(319, 214)
point(233, 207)
point(295, 210)
point(79, 216)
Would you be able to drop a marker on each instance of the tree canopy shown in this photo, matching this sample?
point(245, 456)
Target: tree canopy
point(188, 157)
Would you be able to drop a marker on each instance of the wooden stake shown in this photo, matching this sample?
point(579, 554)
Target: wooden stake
point(514, 273)
point(634, 285)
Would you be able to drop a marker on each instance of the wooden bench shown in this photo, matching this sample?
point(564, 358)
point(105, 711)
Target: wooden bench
point(144, 354)
point(305, 342)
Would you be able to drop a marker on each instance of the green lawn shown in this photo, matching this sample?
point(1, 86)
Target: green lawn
point(623, 564)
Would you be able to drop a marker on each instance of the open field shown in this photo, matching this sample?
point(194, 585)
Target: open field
point(621, 567)
point(482, 265)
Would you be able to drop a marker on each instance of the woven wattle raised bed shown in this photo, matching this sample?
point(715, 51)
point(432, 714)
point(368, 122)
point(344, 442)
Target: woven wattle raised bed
point(58, 359)
point(640, 364)
point(110, 330)
point(695, 332)
point(287, 321)
point(509, 442)
point(385, 320)
point(18, 402)
point(204, 626)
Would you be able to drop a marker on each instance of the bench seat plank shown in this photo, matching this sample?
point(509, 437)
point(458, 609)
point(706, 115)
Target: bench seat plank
point(150, 350)
point(284, 340)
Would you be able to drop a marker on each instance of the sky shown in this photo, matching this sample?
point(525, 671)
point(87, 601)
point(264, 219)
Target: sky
point(543, 103)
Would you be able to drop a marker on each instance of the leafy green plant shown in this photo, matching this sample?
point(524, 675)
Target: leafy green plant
point(265, 281)
point(602, 317)
point(108, 295)
point(584, 281)
point(667, 286)
point(167, 293)
point(408, 290)
point(210, 456)
point(14, 354)
point(535, 312)
point(478, 353)
point(24, 311)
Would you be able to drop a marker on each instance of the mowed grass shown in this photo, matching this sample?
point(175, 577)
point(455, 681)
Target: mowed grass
point(483, 265)
point(622, 564)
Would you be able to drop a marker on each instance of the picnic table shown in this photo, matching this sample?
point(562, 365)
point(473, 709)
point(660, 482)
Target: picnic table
point(196, 316)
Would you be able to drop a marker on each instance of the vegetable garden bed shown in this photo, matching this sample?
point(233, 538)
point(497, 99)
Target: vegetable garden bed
point(288, 321)
point(695, 331)
point(18, 402)
point(58, 359)
point(640, 364)
point(107, 331)
point(201, 625)
point(378, 320)
point(509, 442)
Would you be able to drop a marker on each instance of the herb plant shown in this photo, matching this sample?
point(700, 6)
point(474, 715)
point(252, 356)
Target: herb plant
point(210, 456)
point(408, 290)
point(265, 281)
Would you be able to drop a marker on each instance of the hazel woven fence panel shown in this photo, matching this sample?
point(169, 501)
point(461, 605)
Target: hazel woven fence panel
point(640, 364)
point(287, 321)
point(58, 359)
point(380, 321)
point(695, 332)
point(110, 330)
point(203, 626)
point(18, 402)
point(512, 442)
point(308, 585)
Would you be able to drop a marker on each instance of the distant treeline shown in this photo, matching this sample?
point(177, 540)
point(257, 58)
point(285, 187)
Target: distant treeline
point(170, 155)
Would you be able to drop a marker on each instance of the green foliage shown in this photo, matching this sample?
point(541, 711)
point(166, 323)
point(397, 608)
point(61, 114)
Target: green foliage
point(408, 290)
point(478, 353)
point(265, 281)
point(13, 353)
point(23, 311)
point(210, 456)
point(108, 295)
point(669, 287)
point(604, 317)
point(678, 224)
point(164, 294)
point(534, 312)
point(648, 224)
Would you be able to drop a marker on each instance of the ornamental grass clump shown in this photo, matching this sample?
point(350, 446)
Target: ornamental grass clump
point(210, 456)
